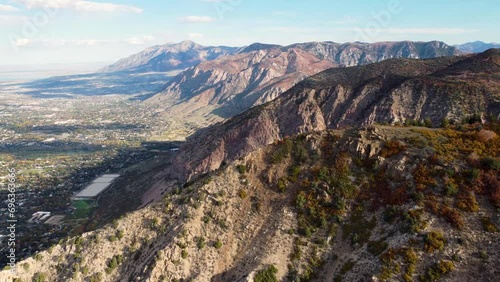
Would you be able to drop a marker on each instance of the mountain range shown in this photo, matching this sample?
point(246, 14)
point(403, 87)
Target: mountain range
point(321, 184)
point(391, 92)
point(476, 47)
point(173, 57)
point(259, 73)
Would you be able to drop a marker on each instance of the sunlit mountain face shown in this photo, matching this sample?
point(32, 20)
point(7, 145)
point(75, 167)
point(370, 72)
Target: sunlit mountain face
point(216, 140)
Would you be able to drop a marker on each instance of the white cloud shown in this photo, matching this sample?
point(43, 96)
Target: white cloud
point(8, 8)
point(22, 42)
point(11, 20)
point(86, 42)
point(196, 19)
point(140, 40)
point(80, 6)
point(195, 35)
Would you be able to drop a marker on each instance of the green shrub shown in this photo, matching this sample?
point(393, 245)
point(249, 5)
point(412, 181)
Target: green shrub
point(391, 214)
point(85, 270)
point(436, 271)
point(452, 215)
point(296, 253)
point(119, 234)
point(301, 200)
point(445, 123)
point(282, 183)
point(201, 243)
point(96, 277)
point(113, 263)
point(467, 202)
point(38, 257)
point(410, 256)
point(484, 255)
point(347, 267)
point(242, 169)
point(490, 163)
point(79, 241)
point(40, 277)
point(206, 219)
point(243, 194)
point(451, 189)
point(184, 254)
point(294, 173)
point(489, 225)
point(434, 241)
point(392, 148)
point(413, 221)
point(115, 223)
point(377, 247)
point(218, 244)
point(282, 152)
point(428, 122)
point(154, 223)
point(266, 275)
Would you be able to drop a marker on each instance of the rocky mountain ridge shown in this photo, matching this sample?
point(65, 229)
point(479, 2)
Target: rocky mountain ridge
point(259, 73)
point(173, 57)
point(393, 91)
point(381, 204)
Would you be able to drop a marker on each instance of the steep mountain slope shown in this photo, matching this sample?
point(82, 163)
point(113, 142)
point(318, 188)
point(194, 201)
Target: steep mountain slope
point(393, 91)
point(282, 191)
point(382, 204)
point(476, 47)
point(169, 58)
point(235, 83)
point(260, 72)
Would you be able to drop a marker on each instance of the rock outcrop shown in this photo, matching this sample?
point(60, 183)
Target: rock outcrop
point(222, 88)
point(393, 91)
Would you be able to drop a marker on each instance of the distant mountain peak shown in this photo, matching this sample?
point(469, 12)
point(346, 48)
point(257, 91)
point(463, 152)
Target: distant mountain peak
point(257, 47)
point(171, 57)
point(188, 44)
point(476, 46)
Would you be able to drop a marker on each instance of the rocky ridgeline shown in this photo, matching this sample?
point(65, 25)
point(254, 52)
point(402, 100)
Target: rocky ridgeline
point(259, 73)
point(390, 92)
point(383, 204)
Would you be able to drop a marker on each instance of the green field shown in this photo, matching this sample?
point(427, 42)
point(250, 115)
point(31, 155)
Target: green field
point(83, 209)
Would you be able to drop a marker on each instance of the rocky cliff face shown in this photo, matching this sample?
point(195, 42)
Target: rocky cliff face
point(356, 54)
point(259, 73)
point(169, 58)
point(391, 92)
point(382, 204)
point(232, 84)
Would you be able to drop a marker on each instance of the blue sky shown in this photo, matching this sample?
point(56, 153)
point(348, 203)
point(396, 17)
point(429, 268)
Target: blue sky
point(102, 31)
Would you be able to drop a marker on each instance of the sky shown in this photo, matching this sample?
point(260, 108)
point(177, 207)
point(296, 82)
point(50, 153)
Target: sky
point(98, 32)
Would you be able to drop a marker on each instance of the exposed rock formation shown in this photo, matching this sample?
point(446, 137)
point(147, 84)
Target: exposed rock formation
point(389, 92)
point(259, 73)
